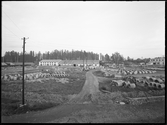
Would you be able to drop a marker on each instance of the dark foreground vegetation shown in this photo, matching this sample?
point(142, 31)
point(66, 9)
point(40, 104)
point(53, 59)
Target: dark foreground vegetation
point(38, 95)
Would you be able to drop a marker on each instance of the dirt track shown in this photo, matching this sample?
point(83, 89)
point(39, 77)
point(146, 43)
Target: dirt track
point(90, 88)
point(151, 112)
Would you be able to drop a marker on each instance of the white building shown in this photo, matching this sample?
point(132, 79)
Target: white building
point(50, 62)
point(69, 62)
point(157, 61)
point(81, 62)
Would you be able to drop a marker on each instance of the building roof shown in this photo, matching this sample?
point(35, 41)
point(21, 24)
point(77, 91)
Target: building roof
point(51, 60)
point(72, 61)
point(80, 62)
point(156, 58)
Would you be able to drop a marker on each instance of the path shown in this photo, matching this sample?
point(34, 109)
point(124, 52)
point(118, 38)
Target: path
point(90, 88)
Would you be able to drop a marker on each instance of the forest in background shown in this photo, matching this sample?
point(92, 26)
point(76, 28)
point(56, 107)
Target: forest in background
point(12, 56)
point(117, 58)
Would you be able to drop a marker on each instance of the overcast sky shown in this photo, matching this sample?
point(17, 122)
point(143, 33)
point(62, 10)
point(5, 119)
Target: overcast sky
point(135, 29)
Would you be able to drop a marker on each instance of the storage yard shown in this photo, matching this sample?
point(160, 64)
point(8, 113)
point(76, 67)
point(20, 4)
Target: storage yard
point(83, 62)
point(50, 86)
point(132, 84)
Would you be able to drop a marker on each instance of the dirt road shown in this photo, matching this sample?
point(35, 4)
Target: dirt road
point(153, 112)
point(90, 88)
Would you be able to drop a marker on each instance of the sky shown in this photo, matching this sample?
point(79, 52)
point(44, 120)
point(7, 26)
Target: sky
point(135, 29)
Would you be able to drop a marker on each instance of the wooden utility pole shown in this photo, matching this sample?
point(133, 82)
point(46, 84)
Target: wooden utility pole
point(23, 71)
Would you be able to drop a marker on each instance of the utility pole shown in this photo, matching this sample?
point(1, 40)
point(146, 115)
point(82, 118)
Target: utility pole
point(23, 103)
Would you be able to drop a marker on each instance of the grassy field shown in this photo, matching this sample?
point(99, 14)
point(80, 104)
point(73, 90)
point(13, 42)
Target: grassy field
point(39, 95)
point(16, 70)
point(152, 112)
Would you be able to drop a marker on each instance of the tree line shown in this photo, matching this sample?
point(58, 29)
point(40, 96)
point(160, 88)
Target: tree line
point(12, 56)
point(117, 58)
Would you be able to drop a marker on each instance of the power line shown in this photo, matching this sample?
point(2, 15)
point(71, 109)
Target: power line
point(11, 31)
point(8, 35)
point(13, 22)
